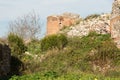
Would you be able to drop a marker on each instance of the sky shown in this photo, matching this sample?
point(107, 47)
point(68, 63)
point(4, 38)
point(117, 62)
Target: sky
point(10, 10)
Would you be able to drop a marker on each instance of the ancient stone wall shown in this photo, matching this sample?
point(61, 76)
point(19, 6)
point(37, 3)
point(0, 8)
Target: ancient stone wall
point(4, 59)
point(57, 22)
point(115, 22)
point(102, 24)
point(115, 8)
point(99, 25)
point(52, 25)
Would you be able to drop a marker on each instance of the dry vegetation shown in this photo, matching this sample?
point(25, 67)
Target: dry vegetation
point(89, 57)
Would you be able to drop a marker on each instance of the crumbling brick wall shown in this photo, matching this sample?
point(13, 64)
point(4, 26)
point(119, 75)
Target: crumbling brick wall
point(56, 23)
point(52, 25)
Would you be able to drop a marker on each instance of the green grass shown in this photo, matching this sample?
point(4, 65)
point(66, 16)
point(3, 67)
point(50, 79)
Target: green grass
point(92, 16)
point(75, 61)
point(34, 47)
point(81, 76)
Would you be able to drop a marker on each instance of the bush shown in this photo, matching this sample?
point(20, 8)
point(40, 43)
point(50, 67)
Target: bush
point(95, 47)
point(92, 16)
point(53, 41)
point(16, 44)
point(61, 41)
point(69, 76)
point(107, 50)
point(113, 74)
point(105, 47)
point(34, 47)
point(51, 74)
point(68, 63)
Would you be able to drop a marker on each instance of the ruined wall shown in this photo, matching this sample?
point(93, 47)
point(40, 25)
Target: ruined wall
point(57, 22)
point(99, 24)
point(115, 22)
point(52, 25)
point(115, 8)
point(4, 59)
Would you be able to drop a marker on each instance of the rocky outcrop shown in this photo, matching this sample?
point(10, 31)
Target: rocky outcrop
point(116, 9)
point(105, 23)
point(115, 22)
point(99, 24)
point(4, 59)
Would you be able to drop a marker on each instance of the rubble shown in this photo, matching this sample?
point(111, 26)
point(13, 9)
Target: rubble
point(100, 25)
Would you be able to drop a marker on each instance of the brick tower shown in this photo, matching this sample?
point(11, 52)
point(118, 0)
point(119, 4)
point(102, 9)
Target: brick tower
point(57, 22)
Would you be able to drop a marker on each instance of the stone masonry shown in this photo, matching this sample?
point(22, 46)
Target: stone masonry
point(98, 24)
point(115, 22)
point(56, 22)
point(4, 59)
point(105, 23)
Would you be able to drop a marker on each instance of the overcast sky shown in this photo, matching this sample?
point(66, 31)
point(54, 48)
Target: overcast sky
point(12, 9)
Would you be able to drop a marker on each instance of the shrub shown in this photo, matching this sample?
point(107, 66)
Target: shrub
point(75, 58)
point(92, 16)
point(113, 74)
point(105, 47)
point(53, 41)
point(100, 46)
point(69, 76)
point(16, 44)
point(34, 47)
point(51, 74)
point(61, 41)
point(107, 50)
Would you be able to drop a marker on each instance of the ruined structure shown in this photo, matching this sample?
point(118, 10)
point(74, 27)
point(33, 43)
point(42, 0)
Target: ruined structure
point(98, 24)
point(115, 8)
point(105, 23)
point(57, 22)
point(4, 59)
point(115, 22)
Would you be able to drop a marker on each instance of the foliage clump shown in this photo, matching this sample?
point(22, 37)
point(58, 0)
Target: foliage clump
point(53, 41)
point(92, 16)
point(104, 46)
point(16, 44)
point(68, 76)
point(34, 47)
point(75, 56)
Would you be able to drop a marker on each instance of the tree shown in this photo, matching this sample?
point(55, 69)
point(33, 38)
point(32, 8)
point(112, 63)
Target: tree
point(27, 27)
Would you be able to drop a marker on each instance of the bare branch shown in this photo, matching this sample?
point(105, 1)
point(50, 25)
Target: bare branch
point(27, 27)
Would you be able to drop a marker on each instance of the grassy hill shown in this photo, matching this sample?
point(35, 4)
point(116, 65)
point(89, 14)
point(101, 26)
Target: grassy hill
point(92, 57)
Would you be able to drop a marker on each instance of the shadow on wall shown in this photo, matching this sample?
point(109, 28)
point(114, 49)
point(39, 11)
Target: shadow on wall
point(4, 59)
point(15, 68)
point(9, 65)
